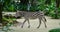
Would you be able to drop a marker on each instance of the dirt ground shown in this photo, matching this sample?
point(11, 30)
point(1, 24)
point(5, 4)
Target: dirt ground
point(51, 24)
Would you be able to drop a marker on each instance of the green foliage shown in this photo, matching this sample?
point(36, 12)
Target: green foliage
point(11, 6)
point(6, 2)
point(55, 30)
point(7, 22)
point(22, 7)
point(51, 11)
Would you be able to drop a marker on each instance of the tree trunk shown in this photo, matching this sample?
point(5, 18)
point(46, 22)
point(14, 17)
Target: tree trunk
point(56, 10)
point(57, 3)
point(1, 8)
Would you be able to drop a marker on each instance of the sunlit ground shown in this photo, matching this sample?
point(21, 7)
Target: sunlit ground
point(51, 24)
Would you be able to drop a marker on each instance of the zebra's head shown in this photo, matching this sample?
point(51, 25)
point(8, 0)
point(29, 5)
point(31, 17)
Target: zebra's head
point(18, 14)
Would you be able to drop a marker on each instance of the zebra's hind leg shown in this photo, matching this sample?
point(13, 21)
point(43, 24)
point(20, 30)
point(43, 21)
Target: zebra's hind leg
point(45, 24)
point(28, 23)
point(44, 21)
point(39, 22)
point(23, 24)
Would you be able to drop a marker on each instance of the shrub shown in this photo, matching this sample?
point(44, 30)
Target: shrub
point(55, 30)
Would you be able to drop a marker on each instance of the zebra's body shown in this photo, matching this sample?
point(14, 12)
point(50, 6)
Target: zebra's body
point(31, 15)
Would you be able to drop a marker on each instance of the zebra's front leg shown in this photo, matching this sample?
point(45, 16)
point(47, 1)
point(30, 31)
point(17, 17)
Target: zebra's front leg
point(23, 24)
point(28, 23)
point(45, 25)
point(39, 22)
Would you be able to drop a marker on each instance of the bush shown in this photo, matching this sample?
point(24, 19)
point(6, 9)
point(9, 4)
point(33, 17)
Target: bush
point(55, 30)
point(52, 11)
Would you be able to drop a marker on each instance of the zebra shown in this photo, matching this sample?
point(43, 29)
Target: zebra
point(31, 15)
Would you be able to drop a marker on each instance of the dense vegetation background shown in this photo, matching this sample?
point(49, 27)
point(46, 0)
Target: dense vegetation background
point(51, 7)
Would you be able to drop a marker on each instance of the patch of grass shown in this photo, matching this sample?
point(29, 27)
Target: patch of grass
point(55, 30)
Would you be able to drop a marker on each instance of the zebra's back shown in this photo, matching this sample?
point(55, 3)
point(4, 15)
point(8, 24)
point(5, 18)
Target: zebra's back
point(32, 15)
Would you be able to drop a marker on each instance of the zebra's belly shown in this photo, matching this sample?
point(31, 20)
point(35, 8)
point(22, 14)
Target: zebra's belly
point(33, 17)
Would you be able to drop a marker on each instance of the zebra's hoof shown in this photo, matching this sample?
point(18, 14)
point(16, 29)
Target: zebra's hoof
point(28, 26)
point(45, 26)
point(37, 27)
point(21, 26)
